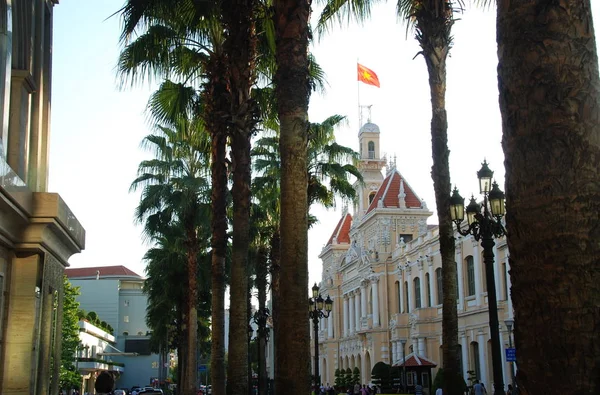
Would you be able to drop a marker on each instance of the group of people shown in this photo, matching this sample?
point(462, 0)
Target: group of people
point(357, 389)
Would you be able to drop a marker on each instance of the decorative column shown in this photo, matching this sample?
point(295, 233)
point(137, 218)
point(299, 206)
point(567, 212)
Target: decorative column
point(508, 286)
point(478, 277)
point(410, 289)
point(345, 316)
point(465, 355)
point(482, 359)
point(497, 278)
point(375, 289)
point(505, 365)
point(459, 270)
point(422, 280)
point(330, 326)
point(401, 291)
point(394, 352)
point(363, 299)
point(356, 311)
point(351, 313)
point(422, 349)
point(432, 284)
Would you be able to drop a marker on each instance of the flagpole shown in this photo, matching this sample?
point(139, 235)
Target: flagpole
point(358, 96)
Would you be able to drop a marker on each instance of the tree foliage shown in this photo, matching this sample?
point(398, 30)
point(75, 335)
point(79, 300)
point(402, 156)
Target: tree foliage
point(69, 377)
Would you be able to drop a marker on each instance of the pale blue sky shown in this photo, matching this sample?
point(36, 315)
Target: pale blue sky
point(97, 127)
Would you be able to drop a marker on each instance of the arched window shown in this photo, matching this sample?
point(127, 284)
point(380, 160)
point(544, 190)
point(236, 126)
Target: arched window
point(417, 284)
point(428, 289)
point(504, 281)
point(475, 356)
point(483, 273)
point(406, 306)
point(398, 296)
point(371, 146)
point(470, 276)
point(371, 197)
point(438, 280)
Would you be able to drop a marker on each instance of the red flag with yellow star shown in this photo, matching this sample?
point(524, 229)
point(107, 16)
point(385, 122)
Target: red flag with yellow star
point(367, 76)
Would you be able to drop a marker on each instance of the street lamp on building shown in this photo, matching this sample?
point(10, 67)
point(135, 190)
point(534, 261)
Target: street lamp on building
point(317, 309)
point(485, 223)
point(509, 325)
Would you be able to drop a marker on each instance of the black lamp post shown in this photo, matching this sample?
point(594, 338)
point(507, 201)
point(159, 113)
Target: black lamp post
point(260, 319)
point(316, 312)
point(509, 325)
point(485, 223)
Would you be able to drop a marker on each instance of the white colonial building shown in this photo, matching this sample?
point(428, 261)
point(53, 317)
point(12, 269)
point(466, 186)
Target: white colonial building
point(382, 268)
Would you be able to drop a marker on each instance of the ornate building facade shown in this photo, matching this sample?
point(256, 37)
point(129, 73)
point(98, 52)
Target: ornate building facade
point(382, 268)
point(38, 232)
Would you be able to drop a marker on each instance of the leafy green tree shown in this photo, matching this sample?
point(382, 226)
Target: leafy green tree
point(348, 377)
point(355, 375)
point(69, 376)
point(339, 379)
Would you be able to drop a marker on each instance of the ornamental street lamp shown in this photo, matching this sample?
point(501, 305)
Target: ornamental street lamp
point(316, 312)
point(509, 325)
point(260, 319)
point(485, 223)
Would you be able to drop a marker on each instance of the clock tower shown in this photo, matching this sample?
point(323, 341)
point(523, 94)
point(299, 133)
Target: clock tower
point(370, 166)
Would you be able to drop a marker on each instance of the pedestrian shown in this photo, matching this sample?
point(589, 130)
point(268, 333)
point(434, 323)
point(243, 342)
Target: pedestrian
point(509, 391)
point(418, 389)
point(363, 390)
point(356, 389)
point(439, 391)
point(478, 388)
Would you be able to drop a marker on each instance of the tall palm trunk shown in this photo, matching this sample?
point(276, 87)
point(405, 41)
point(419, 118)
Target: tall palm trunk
point(240, 46)
point(275, 258)
point(261, 286)
point(191, 367)
point(217, 107)
point(292, 360)
point(549, 100)
point(434, 22)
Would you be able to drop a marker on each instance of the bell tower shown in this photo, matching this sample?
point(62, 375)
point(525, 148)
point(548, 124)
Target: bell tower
point(370, 166)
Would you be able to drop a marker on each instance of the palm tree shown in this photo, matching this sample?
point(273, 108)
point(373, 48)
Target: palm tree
point(191, 48)
point(292, 88)
point(549, 101)
point(240, 45)
point(173, 188)
point(432, 20)
point(329, 166)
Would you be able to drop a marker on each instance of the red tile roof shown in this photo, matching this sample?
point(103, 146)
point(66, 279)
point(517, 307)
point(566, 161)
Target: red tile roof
point(389, 190)
point(342, 230)
point(105, 271)
point(413, 360)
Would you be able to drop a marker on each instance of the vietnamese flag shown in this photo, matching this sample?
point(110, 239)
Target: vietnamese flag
point(367, 76)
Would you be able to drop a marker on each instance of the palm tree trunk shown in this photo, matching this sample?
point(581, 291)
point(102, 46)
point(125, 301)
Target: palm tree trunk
point(549, 100)
point(261, 286)
point(292, 341)
point(238, 17)
point(217, 106)
point(191, 367)
point(275, 258)
point(219, 248)
point(434, 25)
